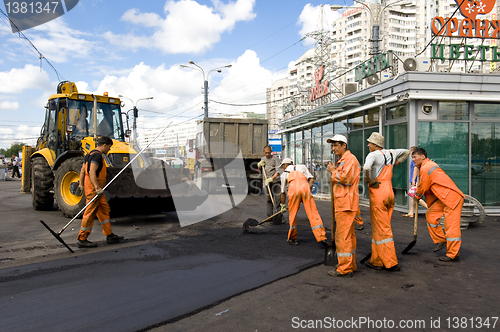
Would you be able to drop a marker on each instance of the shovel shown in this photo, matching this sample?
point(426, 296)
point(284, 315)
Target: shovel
point(58, 234)
point(412, 243)
point(268, 189)
point(330, 249)
point(253, 222)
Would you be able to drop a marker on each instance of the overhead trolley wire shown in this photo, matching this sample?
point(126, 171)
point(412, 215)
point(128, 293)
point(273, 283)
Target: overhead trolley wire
point(23, 36)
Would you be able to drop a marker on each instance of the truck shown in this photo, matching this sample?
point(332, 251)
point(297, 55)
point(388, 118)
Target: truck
point(73, 123)
point(218, 142)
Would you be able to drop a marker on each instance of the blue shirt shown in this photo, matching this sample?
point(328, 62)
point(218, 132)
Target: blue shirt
point(412, 167)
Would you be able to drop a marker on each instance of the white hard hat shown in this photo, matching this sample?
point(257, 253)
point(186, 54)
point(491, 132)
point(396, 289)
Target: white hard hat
point(288, 161)
point(337, 138)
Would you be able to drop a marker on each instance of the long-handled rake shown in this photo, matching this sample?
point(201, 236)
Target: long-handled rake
point(58, 234)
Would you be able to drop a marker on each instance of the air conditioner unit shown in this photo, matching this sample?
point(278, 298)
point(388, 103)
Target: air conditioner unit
point(406, 64)
point(348, 88)
point(372, 79)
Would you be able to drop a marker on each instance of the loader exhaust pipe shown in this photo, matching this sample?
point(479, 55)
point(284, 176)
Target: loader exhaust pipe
point(95, 118)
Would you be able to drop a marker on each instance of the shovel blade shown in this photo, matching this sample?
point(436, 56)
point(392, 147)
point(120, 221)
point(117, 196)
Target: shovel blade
point(330, 259)
point(411, 245)
point(366, 257)
point(57, 236)
point(250, 223)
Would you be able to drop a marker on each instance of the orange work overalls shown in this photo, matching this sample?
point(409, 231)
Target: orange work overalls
point(99, 206)
point(381, 208)
point(358, 219)
point(346, 201)
point(298, 191)
point(443, 197)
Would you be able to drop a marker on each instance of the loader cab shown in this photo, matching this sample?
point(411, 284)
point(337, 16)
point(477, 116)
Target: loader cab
point(69, 119)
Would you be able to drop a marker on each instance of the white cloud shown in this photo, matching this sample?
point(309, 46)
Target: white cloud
point(9, 105)
point(246, 84)
point(22, 133)
point(178, 93)
point(17, 80)
point(310, 20)
point(188, 27)
point(59, 43)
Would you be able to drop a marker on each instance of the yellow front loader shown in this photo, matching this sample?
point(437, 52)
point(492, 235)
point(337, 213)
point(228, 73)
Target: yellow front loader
point(73, 122)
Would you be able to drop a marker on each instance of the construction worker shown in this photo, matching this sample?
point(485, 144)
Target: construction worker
point(296, 178)
point(271, 164)
point(377, 171)
point(442, 197)
point(92, 180)
point(345, 180)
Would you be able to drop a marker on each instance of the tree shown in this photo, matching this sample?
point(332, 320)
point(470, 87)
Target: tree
point(13, 150)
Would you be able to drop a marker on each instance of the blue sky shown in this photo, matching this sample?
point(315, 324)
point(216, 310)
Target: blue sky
point(135, 48)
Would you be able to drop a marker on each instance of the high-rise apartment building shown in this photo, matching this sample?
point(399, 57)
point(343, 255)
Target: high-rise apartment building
point(404, 27)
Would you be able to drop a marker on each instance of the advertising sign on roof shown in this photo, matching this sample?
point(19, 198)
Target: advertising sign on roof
point(472, 26)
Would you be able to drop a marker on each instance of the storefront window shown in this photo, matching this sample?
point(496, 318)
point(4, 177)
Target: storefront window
point(307, 133)
point(364, 192)
point(324, 175)
point(298, 136)
point(317, 157)
point(396, 137)
point(395, 112)
point(356, 121)
point(316, 132)
point(485, 162)
point(372, 117)
point(453, 110)
point(487, 110)
point(356, 144)
point(447, 144)
point(298, 153)
point(328, 130)
point(340, 126)
point(285, 145)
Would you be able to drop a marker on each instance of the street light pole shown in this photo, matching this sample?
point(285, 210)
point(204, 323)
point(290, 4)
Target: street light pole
point(136, 115)
point(205, 81)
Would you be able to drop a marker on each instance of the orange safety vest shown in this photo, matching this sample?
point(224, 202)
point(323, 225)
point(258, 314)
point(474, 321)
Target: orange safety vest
point(101, 174)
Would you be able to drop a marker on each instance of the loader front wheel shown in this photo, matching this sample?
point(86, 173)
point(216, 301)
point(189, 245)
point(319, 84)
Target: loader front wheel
point(42, 182)
point(67, 177)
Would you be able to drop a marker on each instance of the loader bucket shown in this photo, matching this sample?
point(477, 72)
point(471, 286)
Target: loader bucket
point(148, 189)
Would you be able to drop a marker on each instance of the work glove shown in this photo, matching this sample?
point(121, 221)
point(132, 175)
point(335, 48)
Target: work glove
point(261, 163)
point(99, 192)
point(283, 208)
point(268, 181)
point(79, 191)
point(374, 184)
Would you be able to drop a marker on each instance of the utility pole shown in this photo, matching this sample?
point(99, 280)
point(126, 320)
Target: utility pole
point(134, 124)
point(205, 80)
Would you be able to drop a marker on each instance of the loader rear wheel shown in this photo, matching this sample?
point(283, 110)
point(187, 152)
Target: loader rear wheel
point(68, 176)
point(42, 182)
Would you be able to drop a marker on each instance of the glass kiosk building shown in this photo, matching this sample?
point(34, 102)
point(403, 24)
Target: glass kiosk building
point(454, 116)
